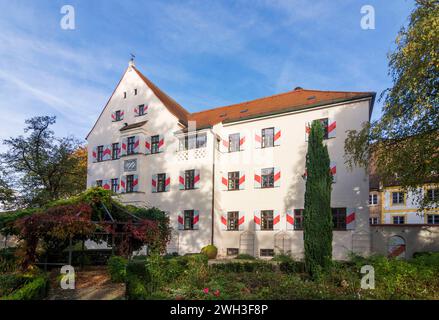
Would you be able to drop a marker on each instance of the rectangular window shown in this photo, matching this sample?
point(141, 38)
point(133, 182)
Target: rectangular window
point(135, 92)
point(99, 183)
point(188, 219)
point(141, 110)
point(398, 219)
point(234, 142)
point(194, 141)
point(266, 252)
point(232, 221)
point(267, 137)
point(130, 145)
point(124, 95)
point(114, 185)
point(267, 176)
point(267, 220)
point(115, 151)
point(155, 144)
point(339, 218)
point(189, 179)
point(433, 218)
point(233, 180)
point(130, 181)
point(373, 199)
point(373, 220)
point(118, 115)
point(232, 251)
point(161, 178)
point(298, 219)
point(100, 153)
point(201, 140)
point(397, 198)
point(432, 194)
point(324, 123)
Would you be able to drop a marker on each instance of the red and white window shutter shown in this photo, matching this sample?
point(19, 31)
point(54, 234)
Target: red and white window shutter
point(257, 178)
point(242, 142)
point(307, 130)
point(113, 116)
point(136, 147)
point(350, 218)
point(277, 136)
point(196, 220)
point(123, 184)
point(167, 182)
point(224, 181)
point(181, 184)
point(241, 220)
point(332, 126)
point(148, 145)
point(106, 154)
point(290, 219)
point(224, 146)
point(333, 170)
point(197, 179)
point(123, 146)
point(276, 220)
point(223, 219)
point(94, 154)
point(241, 180)
point(276, 177)
point(106, 184)
point(257, 220)
point(161, 143)
point(135, 183)
point(258, 139)
point(180, 220)
point(154, 183)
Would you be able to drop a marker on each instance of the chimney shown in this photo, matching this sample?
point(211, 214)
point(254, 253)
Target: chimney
point(298, 88)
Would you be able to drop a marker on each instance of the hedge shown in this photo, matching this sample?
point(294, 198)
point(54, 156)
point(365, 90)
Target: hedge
point(117, 268)
point(36, 289)
point(256, 266)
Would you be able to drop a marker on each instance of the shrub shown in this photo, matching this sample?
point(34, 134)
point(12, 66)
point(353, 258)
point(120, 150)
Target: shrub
point(8, 260)
point(245, 256)
point(135, 288)
point(11, 282)
point(36, 289)
point(254, 266)
point(210, 251)
point(117, 268)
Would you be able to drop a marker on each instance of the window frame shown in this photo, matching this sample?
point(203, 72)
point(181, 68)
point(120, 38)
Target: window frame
point(398, 217)
point(161, 179)
point(130, 145)
point(266, 252)
point(264, 138)
point(141, 110)
point(99, 183)
point(189, 179)
point(129, 183)
point(267, 222)
point(115, 183)
point(372, 220)
point(234, 145)
point(432, 194)
point(298, 219)
point(373, 196)
point(232, 251)
point(270, 176)
point(115, 151)
point(399, 198)
point(434, 218)
point(233, 181)
point(188, 214)
point(155, 141)
point(100, 154)
point(117, 115)
point(233, 221)
point(339, 219)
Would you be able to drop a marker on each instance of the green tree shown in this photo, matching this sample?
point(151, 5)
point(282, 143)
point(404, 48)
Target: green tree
point(317, 221)
point(404, 142)
point(46, 167)
point(7, 195)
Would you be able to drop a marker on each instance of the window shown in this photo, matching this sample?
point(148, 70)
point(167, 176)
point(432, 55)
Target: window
point(266, 252)
point(124, 95)
point(339, 218)
point(135, 92)
point(234, 142)
point(267, 137)
point(114, 185)
point(324, 123)
point(118, 115)
point(193, 142)
point(433, 218)
point(233, 180)
point(232, 221)
point(161, 178)
point(267, 176)
point(397, 197)
point(189, 179)
point(100, 153)
point(267, 220)
point(99, 183)
point(373, 199)
point(155, 140)
point(432, 194)
point(130, 181)
point(130, 145)
point(373, 220)
point(232, 251)
point(398, 219)
point(115, 151)
point(141, 110)
point(188, 219)
point(298, 219)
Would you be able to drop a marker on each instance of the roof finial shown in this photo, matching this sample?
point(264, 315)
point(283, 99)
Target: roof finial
point(131, 63)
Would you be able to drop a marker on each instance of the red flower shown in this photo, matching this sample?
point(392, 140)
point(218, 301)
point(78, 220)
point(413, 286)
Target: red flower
point(206, 290)
point(216, 293)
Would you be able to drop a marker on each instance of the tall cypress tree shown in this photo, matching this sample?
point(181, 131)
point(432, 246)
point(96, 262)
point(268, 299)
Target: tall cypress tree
point(317, 224)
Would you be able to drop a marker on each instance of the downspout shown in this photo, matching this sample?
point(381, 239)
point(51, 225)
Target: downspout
point(213, 190)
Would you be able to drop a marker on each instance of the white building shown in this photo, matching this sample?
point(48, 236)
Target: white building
point(232, 175)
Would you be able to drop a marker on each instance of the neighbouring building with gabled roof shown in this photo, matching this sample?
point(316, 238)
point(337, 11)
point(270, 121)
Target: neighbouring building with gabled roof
point(233, 176)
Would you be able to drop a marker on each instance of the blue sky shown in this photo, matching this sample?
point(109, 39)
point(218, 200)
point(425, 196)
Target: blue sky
point(202, 53)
